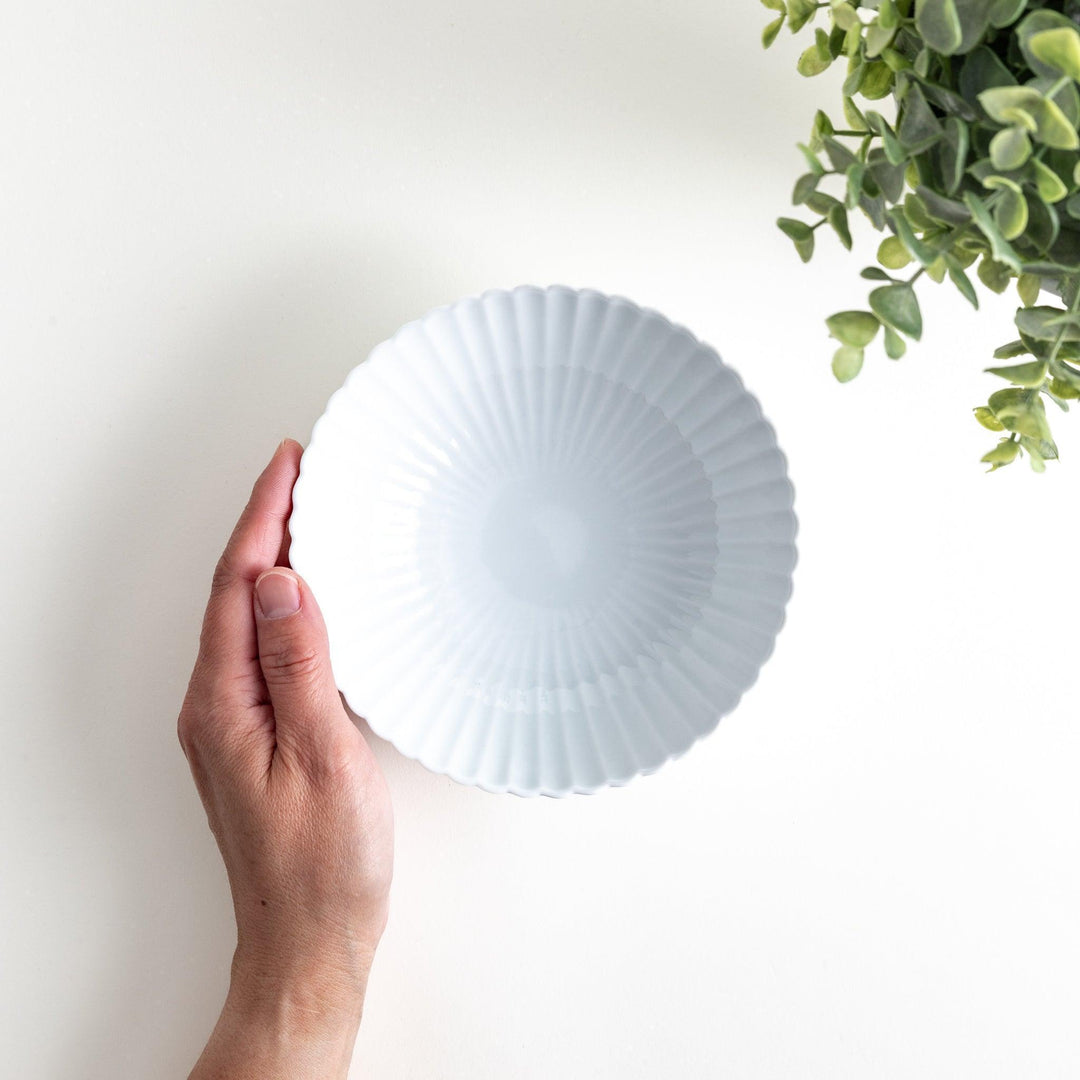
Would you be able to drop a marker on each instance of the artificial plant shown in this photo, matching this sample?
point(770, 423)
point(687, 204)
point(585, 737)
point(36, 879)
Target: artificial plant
point(979, 166)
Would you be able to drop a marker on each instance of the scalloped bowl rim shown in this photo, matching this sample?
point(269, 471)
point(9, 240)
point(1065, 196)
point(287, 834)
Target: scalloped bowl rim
point(349, 694)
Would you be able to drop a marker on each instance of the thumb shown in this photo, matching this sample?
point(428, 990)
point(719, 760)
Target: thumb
point(295, 658)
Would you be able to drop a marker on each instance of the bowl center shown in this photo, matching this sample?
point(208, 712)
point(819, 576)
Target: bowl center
point(554, 540)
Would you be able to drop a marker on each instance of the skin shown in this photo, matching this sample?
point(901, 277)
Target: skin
point(296, 802)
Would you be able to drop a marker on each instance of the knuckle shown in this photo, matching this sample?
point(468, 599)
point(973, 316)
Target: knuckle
point(187, 723)
point(332, 768)
point(196, 725)
point(183, 732)
point(290, 663)
point(339, 758)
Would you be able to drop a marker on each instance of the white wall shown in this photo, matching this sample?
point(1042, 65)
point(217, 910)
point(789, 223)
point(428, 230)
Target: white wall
point(208, 213)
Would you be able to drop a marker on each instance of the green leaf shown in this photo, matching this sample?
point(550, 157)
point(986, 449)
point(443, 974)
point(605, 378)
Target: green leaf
point(812, 63)
point(895, 346)
point(896, 61)
point(898, 306)
point(1007, 352)
point(941, 209)
point(963, 283)
point(801, 234)
point(1030, 375)
point(1027, 287)
point(847, 362)
point(837, 40)
point(877, 80)
point(1003, 454)
point(873, 206)
point(982, 69)
point(844, 15)
point(821, 127)
point(821, 203)
point(1042, 323)
point(949, 101)
point(938, 22)
point(1023, 105)
point(805, 186)
point(855, 328)
point(1003, 12)
point(855, 177)
point(953, 152)
point(1066, 376)
point(800, 13)
point(919, 128)
point(1059, 49)
point(768, 35)
point(1010, 148)
point(964, 252)
point(937, 270)
point(1010, 210)
point(1044, 225)
point(1002, 102)
point(812, 162)
point(916, 248)
point(894, 151)
point(892, 254)
point(878, 38)
point(1066, 96)
point(855, 119)
point(1055, 128)
point(999, 245)
point(837, 218)
point(888, 177)
point(877, 123)
point(888, 16)
point(986, 417)
point(1035, 23)
point(853, 81)
point(774, 5)
point(1034, 450)
point(839, 155)
point(853, 42)
point(874, 273)
point(1021, 411)
point(994, 275)
point(1050, 186)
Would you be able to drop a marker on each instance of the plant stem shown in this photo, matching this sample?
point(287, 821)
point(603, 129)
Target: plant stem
point(1058, 86)
point(1059, 340)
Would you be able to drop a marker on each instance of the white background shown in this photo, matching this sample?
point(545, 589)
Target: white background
point(210, 212)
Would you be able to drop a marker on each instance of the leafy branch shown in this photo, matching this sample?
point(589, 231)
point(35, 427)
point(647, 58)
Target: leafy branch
point(980, 168)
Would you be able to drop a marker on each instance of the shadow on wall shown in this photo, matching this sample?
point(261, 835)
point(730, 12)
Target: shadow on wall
point(256, 364)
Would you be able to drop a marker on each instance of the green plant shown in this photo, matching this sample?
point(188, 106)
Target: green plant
point(980, 164)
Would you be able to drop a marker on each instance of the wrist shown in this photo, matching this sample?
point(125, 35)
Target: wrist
point(290, 1021)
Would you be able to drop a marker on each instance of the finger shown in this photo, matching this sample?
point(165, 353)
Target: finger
point(294, 655)
point(228, 648)
point(286, 544)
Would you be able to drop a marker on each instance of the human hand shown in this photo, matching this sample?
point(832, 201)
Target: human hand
point(296, 802)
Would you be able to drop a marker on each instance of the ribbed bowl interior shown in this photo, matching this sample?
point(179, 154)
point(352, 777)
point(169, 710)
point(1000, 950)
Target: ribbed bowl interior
point(552, 536)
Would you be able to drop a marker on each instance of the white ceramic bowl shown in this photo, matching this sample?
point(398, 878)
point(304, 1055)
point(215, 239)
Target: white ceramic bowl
point(552, 537)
